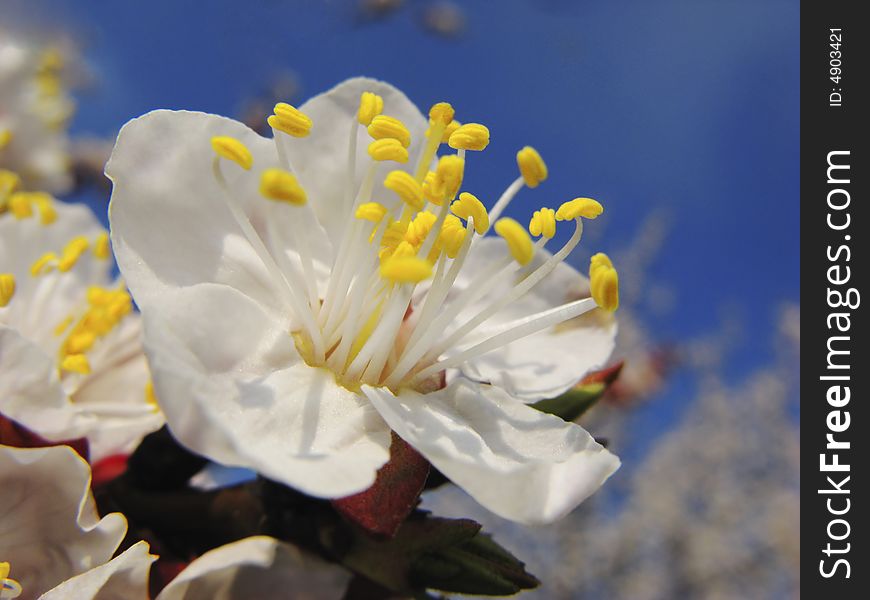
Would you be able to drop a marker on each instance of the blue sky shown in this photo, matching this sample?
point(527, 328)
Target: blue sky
point(687, 108)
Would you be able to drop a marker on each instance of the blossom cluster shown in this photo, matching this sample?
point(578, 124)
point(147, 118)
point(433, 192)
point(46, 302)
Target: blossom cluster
point(293, 306)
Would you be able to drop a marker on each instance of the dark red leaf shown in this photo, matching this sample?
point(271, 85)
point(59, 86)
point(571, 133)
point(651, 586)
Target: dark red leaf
point(383, 507)
point(17, 435)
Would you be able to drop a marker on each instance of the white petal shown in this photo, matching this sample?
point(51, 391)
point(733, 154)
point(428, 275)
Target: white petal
point(519, 463)
point(170, 225)
point(30, 391)
point(545, 364)
point(125, 577)
point(258, 567)
point(49, 526)
point(320, 160)
point(233, 389)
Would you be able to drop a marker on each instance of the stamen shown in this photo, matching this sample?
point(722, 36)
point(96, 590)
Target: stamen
point(43, 264)
point(449, 175)
point(532, 166)
point(232, 149)
point(76, 363)
point(278, 184)
point(406, 269)
point(5, 137)
point(406, 187)
point(543, 223)
point(518, 241)
point(45, 205)
point(471, 136)
point(579, 207)
point(101, 248)
point(370, 106)
point(19, 204)
point(9, 588)
point(388, 149)
point(383, 127)
point(505, 199)
point(9, 182)
point(604, 282)
point(7, 288)
point(468, 206)
point(263, 253)
point(290, 120)
point(440, 116)
point(71, 253)
point(511, 332)
point(371, 211)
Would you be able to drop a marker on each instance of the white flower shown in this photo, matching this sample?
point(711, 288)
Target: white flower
point(258, 567)
point(34, 109)
point(71, 359)
point(50, 530)
point(290, 336)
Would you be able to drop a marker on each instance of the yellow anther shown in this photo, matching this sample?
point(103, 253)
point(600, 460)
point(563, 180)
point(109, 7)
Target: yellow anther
point(393, 236)
point(448, 175)
point(281, 186)
point(388, 149)
point(20, 205)
point(406, 187)
point(80, 342)
point(406, 269)
point(383, 126)
point(45, 205)
point(471, 136)
point(61, 327)
point(543, 223)
point(403, 250)
point(150, 396)
point(419, 228)
point(9, 182)
point(469, 206)
point(604, 282)
point(518, 241)
point(72, 252)
point(76, 363)
point(4, 570)
point(441, 114)
point(370, 106)
point(9, 588)
point(579, 207)
point(448, 131)
point(7, 288)
point(232, 149)
point(371, 211)
point(430, 190)
point(532, 166)
point(290, 120)
point(43, 264)
point(5, 138)
point(101, 247)
point(452, 236)
point(98, 296)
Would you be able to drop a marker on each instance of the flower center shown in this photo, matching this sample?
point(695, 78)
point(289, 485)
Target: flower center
point(390, 315)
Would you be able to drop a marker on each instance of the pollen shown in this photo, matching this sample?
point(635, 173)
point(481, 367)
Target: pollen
point(383, 126)
point(406, 187)
point(430, 191)
point(7, 288)
point(5, 138)
point(518, 241)
point(441, 114)
point(448, 131)
point(76, 363)
point(370, 106)
point(419, 228)
point(532, 166)
point(452, 236)
point(72, 252)
point(543, 223)
point(604, 282)
point(371, 211)
point(101, 247)
point(388, 149)
point(282, 186)
point(449, 174)
point(290, 120)
point(406, 269)
point(579, 207)
point(43, 264)
point(469, 206)
point(232, 149)
point(471, 136)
